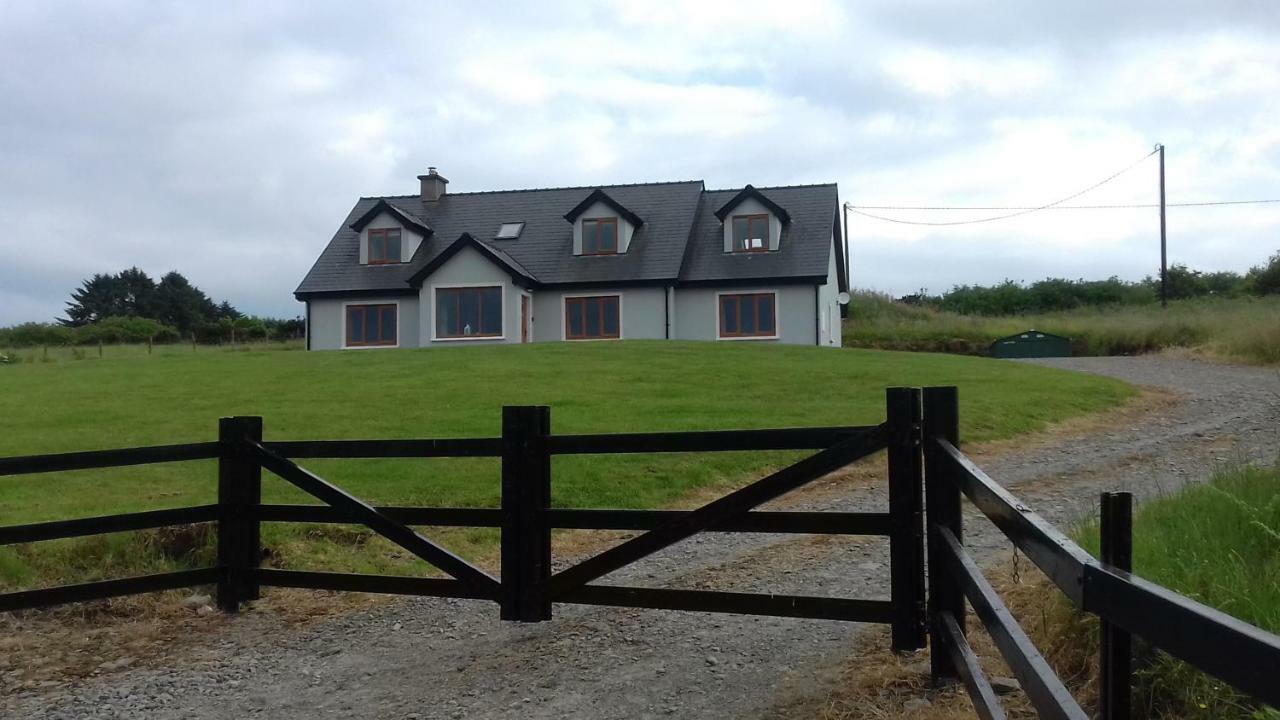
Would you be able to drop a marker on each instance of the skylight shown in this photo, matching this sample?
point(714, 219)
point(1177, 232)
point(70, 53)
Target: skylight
point(509, 231)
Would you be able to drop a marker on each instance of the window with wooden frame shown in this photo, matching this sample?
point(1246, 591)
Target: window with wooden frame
point(751, 233)
point(469, 312)
point(592, 318)
point(384, 246)
point(748, 315)
point(600, 236)
point(371, 325)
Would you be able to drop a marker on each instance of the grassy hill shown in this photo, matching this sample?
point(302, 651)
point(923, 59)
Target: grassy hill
point(1245, 329)
point(136, 399)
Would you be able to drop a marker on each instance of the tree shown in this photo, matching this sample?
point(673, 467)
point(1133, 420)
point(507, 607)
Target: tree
point(226, 311)
point(174, 301)
point(99, 297)
point(182, 305)
point(137, 292)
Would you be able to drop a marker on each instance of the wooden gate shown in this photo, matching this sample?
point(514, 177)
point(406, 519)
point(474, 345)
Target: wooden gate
point(527, 588)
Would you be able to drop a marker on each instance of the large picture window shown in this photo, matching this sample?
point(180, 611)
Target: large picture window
point(384, 246)
point(750, 233)
point(469, 312)
point(592, 318)
point(748, 315)
point(371, 325)
point(600, 236)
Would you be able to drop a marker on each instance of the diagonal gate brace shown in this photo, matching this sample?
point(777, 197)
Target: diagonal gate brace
point(359, 511)
point(719, 511)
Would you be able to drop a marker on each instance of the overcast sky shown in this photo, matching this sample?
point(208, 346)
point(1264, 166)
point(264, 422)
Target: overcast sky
point(229, 141)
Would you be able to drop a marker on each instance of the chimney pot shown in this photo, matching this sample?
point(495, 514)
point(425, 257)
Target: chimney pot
point(433, 185)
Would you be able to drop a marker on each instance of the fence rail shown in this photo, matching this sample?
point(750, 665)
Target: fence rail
point(1243, 656)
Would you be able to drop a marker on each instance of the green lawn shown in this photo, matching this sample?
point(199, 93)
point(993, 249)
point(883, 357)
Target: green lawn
point(132, 399)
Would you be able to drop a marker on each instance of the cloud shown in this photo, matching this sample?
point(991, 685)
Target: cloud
point(229, 142)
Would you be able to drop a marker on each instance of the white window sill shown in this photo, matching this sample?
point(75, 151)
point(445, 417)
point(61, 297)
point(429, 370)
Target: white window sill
point(467, 338)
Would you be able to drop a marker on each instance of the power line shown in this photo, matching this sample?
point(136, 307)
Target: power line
point(1021, 211)
point(1060, 207)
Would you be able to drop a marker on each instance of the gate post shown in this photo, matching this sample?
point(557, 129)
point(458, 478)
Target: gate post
point(906, 511)
point(526, 498)
point(1116, 677)
point(239, 493)
point(942, 503)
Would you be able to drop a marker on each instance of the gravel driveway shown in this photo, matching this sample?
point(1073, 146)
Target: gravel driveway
point(429, 658)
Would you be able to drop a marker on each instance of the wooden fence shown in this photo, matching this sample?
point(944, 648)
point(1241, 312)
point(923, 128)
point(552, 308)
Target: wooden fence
point(1237, 653)
point(925, 468)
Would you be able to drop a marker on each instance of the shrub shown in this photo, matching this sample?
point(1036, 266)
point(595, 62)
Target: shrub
point(1265, 280)
point(35, 334)
point(125, 330)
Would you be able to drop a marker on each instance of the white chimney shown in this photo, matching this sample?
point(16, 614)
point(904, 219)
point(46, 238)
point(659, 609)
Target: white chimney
point(432, 185)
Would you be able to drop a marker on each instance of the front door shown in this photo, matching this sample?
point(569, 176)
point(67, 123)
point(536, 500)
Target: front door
point(524, 318)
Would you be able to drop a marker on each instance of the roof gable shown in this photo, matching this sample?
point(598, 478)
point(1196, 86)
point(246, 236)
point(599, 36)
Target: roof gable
point(382, 206)
point(752, 193)
point(517, 272)
point(600, 196)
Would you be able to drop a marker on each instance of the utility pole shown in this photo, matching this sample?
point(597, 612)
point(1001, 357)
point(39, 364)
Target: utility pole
point(1164, 256)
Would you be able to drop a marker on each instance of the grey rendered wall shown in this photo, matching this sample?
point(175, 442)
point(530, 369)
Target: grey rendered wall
point(829, 304)
point(698, 313)
point(470, 268)
point(327, 330)
point(642, 311)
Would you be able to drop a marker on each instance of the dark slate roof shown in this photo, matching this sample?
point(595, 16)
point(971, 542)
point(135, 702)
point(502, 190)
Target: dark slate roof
point(803, 250)
point(680, 230)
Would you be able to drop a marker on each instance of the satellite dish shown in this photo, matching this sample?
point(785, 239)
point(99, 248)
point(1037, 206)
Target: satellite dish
point(843, 298)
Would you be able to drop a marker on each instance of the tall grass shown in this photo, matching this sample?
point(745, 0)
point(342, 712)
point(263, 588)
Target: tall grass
point(1246, 329)
point(1218, 543)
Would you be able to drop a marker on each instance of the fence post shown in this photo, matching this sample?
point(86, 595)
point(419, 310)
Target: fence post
point(526, 498)
point(906, 509)
point(942, 505)
point(1114, 694)
point(239, 493)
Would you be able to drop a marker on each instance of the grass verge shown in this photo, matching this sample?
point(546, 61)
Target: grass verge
point(1218, 543)
point(1242, 329)
point(456, 392)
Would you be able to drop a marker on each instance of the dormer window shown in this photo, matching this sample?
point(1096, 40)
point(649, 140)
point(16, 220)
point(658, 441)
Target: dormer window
point(751, 233)
point(602, 226)
point(384, 246)
point(600, 236)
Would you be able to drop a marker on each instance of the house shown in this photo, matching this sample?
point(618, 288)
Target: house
point(652, 260)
